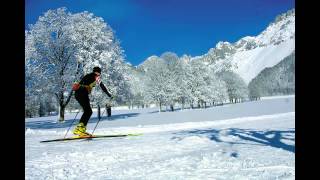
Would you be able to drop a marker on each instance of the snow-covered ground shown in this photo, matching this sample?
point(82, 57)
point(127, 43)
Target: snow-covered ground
point(277, 97)
point(250, 140)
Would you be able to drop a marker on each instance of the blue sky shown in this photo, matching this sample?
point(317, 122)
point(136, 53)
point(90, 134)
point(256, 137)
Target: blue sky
point(152, 27)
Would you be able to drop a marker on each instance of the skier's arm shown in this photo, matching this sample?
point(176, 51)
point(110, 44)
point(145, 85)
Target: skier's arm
point(104, 89)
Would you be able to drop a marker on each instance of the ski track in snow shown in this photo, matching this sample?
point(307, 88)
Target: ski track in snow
point(255, 147)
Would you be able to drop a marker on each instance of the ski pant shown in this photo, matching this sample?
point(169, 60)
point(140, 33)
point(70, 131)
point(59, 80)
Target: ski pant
point(83, 99)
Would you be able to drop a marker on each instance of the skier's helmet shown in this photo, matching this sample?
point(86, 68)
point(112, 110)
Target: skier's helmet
point(97, 69)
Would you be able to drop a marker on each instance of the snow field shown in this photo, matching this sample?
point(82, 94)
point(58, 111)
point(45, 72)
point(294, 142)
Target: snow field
point(251, 147)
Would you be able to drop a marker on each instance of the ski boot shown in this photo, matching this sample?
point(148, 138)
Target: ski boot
point(80, 131)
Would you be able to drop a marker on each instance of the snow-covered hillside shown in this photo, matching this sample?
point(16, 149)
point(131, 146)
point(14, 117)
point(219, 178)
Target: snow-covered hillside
point(251, 54)
point(251, 140)
point(248, 64)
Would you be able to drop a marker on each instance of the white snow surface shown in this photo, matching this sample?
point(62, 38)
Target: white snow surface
point(250, 140)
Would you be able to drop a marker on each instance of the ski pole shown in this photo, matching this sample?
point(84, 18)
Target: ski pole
point(97, 122)
point(71, 124)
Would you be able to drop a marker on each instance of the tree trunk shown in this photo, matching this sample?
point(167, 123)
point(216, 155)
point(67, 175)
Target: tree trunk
point(63, 105)
point(61, 112)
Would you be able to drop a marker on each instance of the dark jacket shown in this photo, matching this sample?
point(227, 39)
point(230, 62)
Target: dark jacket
point(88, 82)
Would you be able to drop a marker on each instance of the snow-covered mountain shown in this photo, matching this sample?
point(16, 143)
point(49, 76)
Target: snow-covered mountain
point(250, 55)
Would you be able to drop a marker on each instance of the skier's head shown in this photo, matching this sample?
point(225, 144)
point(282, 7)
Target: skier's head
point(97, 70)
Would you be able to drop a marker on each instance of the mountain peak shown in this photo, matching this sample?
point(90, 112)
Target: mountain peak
point(223, 44)
point(251, 54)
point(288, 14)
point(280, 30)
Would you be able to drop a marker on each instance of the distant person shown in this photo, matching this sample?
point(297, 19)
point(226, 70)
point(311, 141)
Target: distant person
point(108, 108)
point(82, 90)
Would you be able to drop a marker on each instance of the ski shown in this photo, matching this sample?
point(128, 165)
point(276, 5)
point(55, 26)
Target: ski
point(89, 137)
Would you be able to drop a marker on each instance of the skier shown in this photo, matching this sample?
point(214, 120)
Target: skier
point(82, 90)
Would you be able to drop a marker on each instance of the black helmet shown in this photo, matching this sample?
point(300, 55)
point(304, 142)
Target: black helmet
point(97, 69)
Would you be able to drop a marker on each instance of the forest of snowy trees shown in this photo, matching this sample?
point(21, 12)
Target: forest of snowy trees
point(61, 47)
point(276, 80)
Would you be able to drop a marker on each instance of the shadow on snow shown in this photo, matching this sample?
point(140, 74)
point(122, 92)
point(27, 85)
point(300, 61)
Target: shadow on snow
point(51, 124)
point(272, 138)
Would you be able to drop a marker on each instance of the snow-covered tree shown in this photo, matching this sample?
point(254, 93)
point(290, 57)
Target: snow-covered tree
point(237, 88)
point(31, 106)
point(175, 76)
point(137, 86)
point(218, 90)
point(156, 79)
point(255, 91)
point(115, 76)
point(204, 84)
point(64, 46)
point(164, 76)
point(184, 81)
point(197, 82)
point(32, 88)
point(276, 80)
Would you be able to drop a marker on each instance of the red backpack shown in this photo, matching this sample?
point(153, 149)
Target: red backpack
point(75, 86)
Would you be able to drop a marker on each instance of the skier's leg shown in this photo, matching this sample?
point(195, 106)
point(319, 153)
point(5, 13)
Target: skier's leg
point(85, 104)
point(87, 114)
point(87, 111)
point(83, 100)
